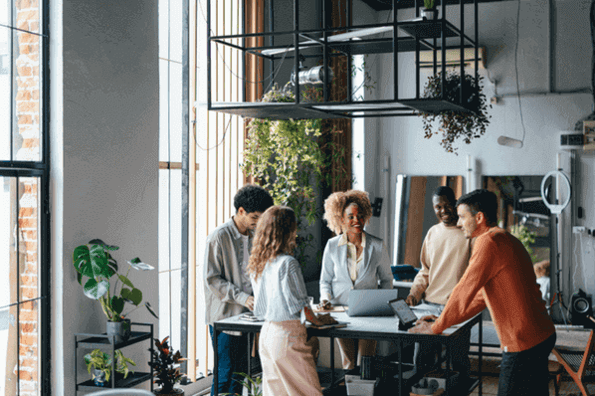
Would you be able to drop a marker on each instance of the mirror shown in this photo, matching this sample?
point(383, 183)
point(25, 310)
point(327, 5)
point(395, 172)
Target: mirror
point(414, 213)
point(521, 211)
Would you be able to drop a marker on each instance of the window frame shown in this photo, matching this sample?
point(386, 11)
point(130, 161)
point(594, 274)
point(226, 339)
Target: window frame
point(40, 170)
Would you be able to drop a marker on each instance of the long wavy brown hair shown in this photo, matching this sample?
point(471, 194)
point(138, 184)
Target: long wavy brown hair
point(336, 203)
point(275, 235)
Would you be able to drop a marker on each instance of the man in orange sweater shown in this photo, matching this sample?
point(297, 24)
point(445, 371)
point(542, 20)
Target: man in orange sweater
point(500, 277)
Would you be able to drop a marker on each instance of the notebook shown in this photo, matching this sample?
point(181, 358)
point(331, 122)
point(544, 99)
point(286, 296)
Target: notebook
point(371, 302)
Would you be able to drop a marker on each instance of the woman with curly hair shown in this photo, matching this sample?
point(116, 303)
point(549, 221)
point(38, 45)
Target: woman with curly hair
point(353, 259)
point(288, 363)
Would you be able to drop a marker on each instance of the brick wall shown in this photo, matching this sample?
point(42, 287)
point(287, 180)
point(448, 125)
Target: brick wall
point(27, 112)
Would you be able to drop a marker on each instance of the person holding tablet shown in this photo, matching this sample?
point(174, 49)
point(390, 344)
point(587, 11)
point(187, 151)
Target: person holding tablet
point(286, 354)
point(353, 259)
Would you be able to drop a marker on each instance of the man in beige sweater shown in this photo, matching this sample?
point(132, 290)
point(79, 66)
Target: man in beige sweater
point(444, 258)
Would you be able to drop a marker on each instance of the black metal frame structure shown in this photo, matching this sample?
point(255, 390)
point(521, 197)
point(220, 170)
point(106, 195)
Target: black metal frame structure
point(399, 337)
point(104, 341)
point(418, 34)
point(40, 170)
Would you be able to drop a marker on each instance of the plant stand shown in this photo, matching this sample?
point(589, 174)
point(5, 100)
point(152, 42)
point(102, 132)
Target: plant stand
point(103, 341)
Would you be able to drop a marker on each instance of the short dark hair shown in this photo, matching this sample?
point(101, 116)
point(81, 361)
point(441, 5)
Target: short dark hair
point(252, 198)
point(445, 191)
point(481, 201)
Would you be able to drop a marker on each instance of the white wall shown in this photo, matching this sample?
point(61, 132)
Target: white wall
point(545, 115)
point(104, 163)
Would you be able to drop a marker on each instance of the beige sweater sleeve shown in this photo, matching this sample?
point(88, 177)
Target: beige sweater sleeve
point(422, 279)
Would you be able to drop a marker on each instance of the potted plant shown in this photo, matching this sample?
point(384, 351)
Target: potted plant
point(466, 125)
point(94, 260)
point(430, 12)
point(101, 363)
point(253, 386)
point(122, 363)
point(166, 366)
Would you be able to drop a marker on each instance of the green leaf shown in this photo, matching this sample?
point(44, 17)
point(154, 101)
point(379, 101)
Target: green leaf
point(134, 296)
point(117, 304)
point(125, 281)
point(94, 289)
point(151, 310)
point(138, 265)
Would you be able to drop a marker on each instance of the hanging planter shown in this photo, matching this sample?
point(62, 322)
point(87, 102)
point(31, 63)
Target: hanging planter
point(456, 125)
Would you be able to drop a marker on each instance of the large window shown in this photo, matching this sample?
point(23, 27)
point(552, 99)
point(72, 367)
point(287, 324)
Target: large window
point(210, 149)
point(24, 219)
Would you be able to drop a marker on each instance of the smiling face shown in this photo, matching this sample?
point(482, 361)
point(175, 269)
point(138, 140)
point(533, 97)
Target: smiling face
point(353, 220)
point(467, 221)
point(445, 211)
point(246, 221)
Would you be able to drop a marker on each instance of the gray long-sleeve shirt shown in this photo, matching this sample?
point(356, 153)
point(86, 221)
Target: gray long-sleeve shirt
point(224, 282)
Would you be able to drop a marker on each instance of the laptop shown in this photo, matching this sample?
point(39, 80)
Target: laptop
point(371, 302)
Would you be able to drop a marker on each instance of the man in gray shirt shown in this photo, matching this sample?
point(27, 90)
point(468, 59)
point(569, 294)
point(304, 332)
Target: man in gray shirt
point(227, 286)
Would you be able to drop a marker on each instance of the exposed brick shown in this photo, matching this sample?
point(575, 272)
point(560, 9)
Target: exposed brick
point(29, 280)
point(27, 106)
point(30, 235)
point(29, 292)
point(28, 316)
point(27, 223)
point(35, 94)
point(23, 4)
point(28, 143)
point(28, 15)
point(29, 362)
point(28, 375)
point(27, 212)
point(23, 94)
point(28, 340)
point(25, 119)
point(31, 257)
point(31, 246)
point(35, 70)
point(25, 350)
point(32, 266)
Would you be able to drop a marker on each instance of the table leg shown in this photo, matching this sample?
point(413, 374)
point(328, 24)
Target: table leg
point(332, 361)
point(448, 363)
point(479, 363)
point(400, 356)
point(216, 360)
point(248, 353)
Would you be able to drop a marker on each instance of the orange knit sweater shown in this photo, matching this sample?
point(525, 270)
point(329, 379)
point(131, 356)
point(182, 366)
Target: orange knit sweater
point(500, 276)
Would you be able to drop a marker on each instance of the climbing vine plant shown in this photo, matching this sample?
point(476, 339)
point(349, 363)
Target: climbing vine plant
point(292, 161)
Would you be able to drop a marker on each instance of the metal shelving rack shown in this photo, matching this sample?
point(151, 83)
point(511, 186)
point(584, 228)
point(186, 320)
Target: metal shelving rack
point(103, 341)
point(419, 35)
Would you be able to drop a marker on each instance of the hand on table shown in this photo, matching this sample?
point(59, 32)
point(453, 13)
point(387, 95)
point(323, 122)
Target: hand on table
point(325, 305)
point(250, 303)
point(411, 300)
point(423, 325)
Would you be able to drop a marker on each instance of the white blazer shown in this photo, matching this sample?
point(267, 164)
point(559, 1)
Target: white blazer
point(335, 279)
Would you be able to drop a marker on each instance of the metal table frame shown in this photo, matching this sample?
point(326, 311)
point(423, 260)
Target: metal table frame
point(399, 337)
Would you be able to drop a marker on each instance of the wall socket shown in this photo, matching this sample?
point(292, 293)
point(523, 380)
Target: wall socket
point(578, 229)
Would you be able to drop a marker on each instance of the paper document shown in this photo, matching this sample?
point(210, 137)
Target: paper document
point(426, 309)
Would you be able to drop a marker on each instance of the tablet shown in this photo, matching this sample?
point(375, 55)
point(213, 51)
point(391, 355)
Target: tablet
point(406, 316)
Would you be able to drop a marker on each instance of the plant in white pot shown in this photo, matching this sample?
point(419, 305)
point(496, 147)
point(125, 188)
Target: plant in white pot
point(101, 364)
point(430, 12)
point(94, 261)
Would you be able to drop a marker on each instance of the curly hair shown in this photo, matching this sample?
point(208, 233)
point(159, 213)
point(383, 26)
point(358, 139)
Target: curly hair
point(336, 203)
point(252, 198)
point(275, 235)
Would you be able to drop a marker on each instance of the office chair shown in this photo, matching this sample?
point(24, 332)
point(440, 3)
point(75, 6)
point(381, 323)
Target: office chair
point(578, 363)
point(122, 392)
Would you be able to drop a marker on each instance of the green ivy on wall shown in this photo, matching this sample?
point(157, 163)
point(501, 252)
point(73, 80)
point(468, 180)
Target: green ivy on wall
point(291, 161)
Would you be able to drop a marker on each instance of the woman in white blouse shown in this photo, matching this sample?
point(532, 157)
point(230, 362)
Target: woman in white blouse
point(280, 296)
point(353, 259)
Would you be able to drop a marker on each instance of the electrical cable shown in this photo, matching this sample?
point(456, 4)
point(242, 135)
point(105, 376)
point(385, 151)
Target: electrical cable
point(215, 146)
point(516, 67)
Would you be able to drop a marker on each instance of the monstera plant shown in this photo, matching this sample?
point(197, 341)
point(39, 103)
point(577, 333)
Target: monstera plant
point(105, 284)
